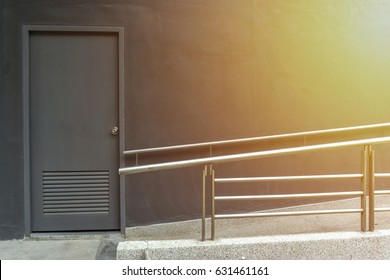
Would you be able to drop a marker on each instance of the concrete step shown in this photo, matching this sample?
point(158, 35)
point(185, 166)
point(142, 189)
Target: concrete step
point(313, 246)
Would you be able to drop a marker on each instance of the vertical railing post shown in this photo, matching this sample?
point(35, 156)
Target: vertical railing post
point(208, 172)
point(371, 183)
point(204, 203)
point(363, 202)
point(212, 173)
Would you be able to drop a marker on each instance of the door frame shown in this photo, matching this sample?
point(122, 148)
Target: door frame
point(26, 30)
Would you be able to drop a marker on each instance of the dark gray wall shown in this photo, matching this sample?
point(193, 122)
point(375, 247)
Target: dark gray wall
point(11, 159)
point(199, 70)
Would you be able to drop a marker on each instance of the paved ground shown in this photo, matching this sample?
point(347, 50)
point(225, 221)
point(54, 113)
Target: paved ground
point(62, 247)
point(93, 246)
point(253, 227)
point(336, 236)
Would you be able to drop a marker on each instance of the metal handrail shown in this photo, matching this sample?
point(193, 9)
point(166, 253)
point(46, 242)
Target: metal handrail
point(289, 178)
point(253, 139)
point(374, 192)
point(368, 175)
point(248, 156)
point(287, 196)
point(284, 214)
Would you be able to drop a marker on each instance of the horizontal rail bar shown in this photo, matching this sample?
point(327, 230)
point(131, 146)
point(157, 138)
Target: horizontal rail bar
point(287, 178)
point(382, 192)
point(287, 196)
point(382, 209)
point(379, 175)
point(295, 213)
point(251, 139)
point(248, 156)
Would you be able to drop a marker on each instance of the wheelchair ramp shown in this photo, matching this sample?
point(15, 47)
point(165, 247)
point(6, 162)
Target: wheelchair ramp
point(325, 237)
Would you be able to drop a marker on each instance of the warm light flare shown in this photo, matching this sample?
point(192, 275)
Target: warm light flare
point(326, 61)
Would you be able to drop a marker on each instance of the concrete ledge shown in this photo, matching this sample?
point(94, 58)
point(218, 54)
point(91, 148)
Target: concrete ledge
point(313, 246)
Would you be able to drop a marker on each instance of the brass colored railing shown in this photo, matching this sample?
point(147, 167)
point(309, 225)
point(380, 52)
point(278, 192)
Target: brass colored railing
point(212, 144)
point(247, 156)
point(367, 179)
point(363, 176)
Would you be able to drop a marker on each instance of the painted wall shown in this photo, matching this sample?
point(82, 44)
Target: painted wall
point(199, 70)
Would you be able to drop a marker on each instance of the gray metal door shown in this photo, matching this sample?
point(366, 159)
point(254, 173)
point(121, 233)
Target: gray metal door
point(73, 109)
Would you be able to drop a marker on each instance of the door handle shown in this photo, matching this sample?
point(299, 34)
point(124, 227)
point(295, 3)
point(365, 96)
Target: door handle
point(114, 130)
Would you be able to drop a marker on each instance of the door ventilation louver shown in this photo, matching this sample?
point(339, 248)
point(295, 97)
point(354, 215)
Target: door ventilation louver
point(75, 192)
